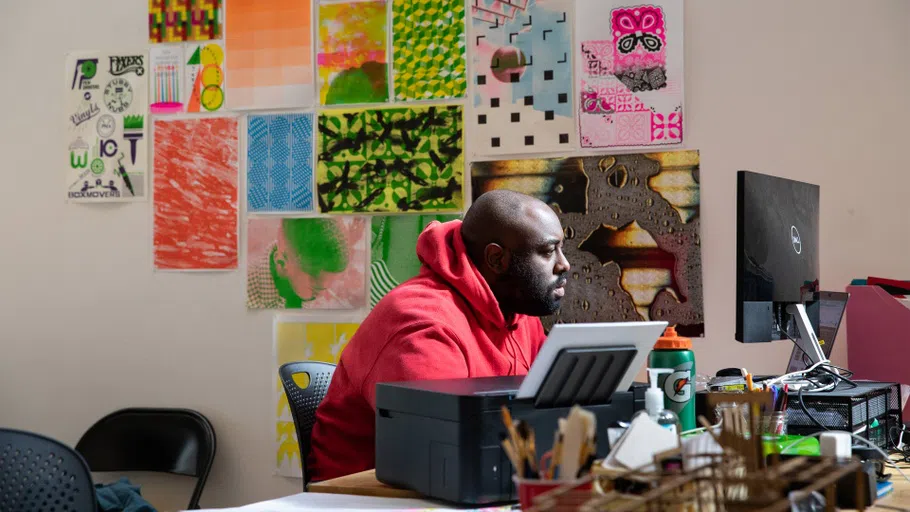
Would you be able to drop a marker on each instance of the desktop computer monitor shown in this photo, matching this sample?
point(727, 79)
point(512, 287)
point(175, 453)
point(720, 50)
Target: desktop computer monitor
point(777, 261)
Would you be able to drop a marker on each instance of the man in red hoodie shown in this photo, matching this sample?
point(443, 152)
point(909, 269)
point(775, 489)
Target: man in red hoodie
point(470, 312)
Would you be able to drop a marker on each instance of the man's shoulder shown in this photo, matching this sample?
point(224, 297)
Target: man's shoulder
point(423, 296)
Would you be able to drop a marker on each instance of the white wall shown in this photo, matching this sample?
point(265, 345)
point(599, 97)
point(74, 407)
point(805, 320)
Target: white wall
point(814, 90)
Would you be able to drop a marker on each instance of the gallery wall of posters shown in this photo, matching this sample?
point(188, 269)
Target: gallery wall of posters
point(306, 144)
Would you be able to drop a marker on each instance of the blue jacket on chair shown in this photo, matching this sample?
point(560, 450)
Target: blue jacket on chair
point(121, 496)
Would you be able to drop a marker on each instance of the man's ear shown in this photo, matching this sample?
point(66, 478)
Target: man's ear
point(280, 264)
point(496, 258)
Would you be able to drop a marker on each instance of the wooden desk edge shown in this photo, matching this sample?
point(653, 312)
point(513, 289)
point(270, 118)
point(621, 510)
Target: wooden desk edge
point(366, 484)
point(362, 484)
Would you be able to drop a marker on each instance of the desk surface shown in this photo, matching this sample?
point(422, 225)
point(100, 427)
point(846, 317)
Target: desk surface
point(365, 484)
point(361, 484)
point(901, 495)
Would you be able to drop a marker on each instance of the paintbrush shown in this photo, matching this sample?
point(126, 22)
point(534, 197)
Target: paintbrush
point(532, 450)
point(556, 456)
point(513, 457)
point(510, 428)
point(527, 448)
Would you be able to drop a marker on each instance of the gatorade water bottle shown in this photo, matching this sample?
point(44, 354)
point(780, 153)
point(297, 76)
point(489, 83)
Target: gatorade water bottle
point(675, 353)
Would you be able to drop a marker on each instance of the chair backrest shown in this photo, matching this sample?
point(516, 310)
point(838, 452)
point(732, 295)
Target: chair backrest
point(176, 441)
point(39, 474)
point(304, 401)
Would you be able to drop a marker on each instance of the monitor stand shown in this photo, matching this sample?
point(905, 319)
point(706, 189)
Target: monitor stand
point(807, 341)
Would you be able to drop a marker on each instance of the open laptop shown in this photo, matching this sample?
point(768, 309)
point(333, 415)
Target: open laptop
point(826, 313)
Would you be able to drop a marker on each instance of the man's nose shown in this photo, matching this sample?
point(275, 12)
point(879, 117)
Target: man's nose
point(562, 263)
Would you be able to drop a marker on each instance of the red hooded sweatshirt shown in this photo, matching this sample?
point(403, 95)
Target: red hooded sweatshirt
point(443, 324)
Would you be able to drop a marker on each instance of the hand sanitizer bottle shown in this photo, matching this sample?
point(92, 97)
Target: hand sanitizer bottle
point(654, 403)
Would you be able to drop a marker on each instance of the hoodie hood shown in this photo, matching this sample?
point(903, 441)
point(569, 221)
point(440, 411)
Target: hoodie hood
point(441, 250)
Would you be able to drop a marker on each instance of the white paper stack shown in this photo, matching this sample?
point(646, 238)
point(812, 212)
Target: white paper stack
point(636, 449)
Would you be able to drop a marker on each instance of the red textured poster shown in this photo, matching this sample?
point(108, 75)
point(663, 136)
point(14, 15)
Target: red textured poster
point(195, 194)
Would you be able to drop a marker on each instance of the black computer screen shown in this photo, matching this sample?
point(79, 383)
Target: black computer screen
point(777, 253)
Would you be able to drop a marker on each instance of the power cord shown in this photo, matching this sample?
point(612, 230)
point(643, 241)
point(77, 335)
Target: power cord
point(802, 405)
point(811, 375)
point(899, 446)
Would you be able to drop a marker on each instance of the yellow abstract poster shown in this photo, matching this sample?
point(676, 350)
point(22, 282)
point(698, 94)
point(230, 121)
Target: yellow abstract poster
point(297, 339)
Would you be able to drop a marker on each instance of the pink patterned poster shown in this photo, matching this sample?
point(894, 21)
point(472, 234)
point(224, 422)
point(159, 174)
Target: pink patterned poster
point(630, 76)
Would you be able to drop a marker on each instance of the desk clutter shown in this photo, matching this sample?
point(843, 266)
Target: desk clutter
point(821, 402)
point(725, 466)
point(573, 452)
point(825, 441)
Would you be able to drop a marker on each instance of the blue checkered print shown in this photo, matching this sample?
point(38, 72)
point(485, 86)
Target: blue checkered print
point(280, 163)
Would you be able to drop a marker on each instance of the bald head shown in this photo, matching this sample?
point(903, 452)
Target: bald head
point(505, 217)
point(515, 240)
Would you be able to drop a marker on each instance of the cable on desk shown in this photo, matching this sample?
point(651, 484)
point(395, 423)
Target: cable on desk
point(802, 405)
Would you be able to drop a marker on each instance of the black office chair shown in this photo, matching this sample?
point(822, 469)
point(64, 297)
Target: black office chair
point(304, 401)
point(39, 474)
point(175, 441)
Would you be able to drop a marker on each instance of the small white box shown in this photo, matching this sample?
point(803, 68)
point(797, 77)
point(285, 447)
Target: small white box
point(836, 444)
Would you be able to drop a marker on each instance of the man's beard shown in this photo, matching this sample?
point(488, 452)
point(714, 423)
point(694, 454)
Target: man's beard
point(532, 294)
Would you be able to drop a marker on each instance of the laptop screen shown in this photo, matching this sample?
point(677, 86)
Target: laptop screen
point(826, 315)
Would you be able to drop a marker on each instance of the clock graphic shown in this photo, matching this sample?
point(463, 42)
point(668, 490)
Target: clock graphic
point(118, 95)
point(106, 126)
point(98, 166)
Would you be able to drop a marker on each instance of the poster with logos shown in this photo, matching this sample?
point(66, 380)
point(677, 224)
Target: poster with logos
point(106, 142)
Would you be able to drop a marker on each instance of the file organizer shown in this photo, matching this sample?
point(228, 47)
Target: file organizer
point(878, 336)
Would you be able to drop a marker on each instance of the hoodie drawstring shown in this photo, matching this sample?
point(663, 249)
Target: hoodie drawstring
point(524, 359)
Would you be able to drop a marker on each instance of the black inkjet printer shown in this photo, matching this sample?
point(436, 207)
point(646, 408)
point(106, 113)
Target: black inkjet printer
point(442, 438)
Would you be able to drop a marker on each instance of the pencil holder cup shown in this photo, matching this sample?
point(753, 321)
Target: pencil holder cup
point(774, 424)
point(528, 489)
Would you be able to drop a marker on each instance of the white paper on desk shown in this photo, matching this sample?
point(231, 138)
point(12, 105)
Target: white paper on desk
point(642, 441)
point(314, 501)
point(702, 444)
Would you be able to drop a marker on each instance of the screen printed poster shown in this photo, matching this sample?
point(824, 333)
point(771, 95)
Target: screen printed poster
point(632, 226)
point(196, 193)
point(298, 340)
point(106, 98)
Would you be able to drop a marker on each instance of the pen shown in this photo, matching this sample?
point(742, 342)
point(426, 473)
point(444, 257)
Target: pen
point(122, 171)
